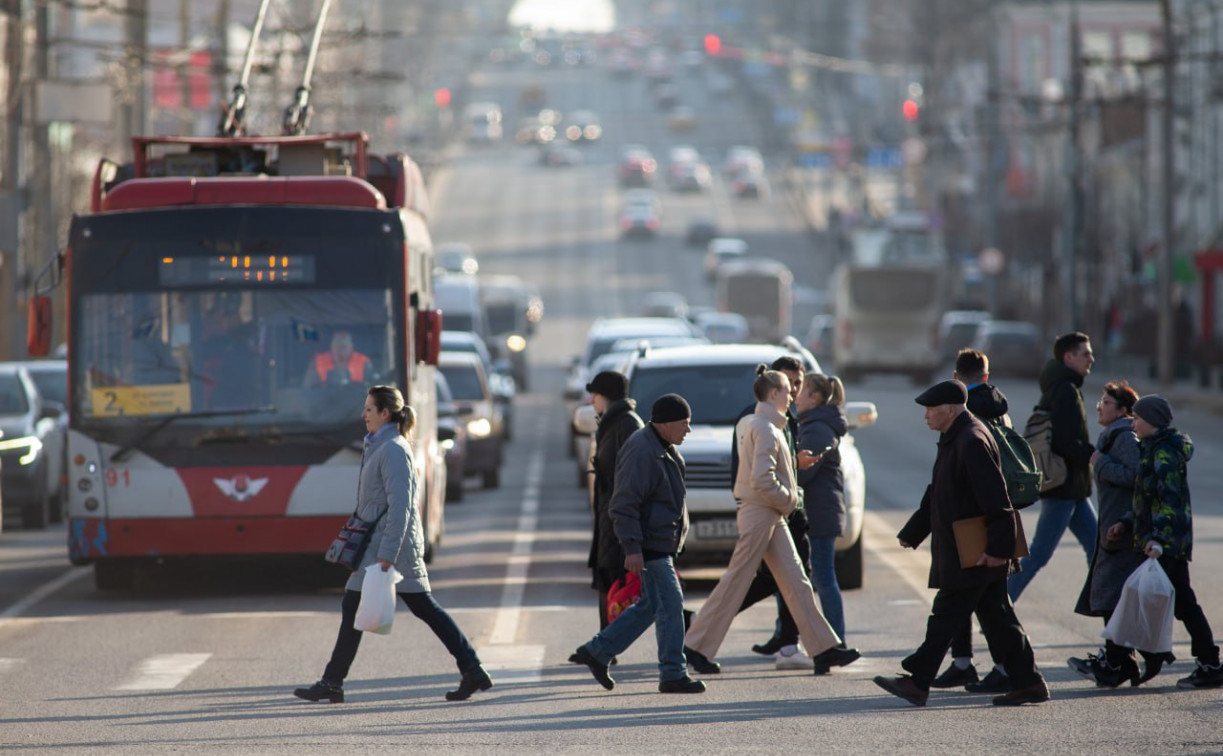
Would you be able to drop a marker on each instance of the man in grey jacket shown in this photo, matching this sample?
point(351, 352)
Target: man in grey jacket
point(650, 520)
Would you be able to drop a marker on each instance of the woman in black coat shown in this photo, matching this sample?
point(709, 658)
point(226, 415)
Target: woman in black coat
point(617, 421)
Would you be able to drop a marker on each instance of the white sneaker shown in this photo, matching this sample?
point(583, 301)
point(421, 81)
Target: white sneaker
point(796, 660)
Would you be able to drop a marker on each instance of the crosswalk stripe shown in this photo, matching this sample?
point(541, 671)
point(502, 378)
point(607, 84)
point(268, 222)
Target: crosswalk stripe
point(8, 665)
point(163, 672)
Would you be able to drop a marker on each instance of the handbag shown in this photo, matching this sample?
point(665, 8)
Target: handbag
point(349, 546)
point(625, 592)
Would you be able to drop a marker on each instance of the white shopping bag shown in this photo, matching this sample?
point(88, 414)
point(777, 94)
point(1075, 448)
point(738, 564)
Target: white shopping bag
point(376, 611)
point(1143, 617)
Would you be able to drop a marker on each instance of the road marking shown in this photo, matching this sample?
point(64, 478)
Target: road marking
point(879, 537)
point(505, 628)
point(38, 594)
point(164, 671)
point(514, 663)
point(8, 665)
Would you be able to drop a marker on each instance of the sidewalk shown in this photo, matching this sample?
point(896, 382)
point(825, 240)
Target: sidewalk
point(1136, 370)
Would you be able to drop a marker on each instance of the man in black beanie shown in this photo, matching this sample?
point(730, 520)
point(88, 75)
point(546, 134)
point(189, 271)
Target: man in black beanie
point(651, 521)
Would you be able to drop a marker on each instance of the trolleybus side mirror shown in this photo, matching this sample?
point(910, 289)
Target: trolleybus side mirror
point(38, 326)
point(429, 336)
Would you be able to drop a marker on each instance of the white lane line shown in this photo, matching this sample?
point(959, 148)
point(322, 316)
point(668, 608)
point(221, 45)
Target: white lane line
point(514, 664)
point(880, 538)
point(505, 628)
point(8, 665)
point(163, 672)
point(41, 592)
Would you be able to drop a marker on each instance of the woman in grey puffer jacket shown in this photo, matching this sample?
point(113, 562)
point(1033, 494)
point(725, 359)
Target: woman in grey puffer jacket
point(386, 495)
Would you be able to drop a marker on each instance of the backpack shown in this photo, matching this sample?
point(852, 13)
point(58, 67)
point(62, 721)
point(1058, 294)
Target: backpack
point(1038, 432)
point(1019, 465)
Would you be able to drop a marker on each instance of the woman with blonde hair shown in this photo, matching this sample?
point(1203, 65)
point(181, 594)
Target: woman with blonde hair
point(386, 495)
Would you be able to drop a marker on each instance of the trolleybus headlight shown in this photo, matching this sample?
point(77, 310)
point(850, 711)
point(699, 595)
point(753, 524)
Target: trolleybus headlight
point(480, 427)
point(84, 485)
point(91, 504)
point(30, 444)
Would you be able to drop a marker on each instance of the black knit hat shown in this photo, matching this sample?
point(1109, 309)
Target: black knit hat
point(946, 392)
point(668, 408)
point(610, 384)
point(1155, 410)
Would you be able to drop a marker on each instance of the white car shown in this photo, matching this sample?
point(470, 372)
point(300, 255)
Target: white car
point(720, 250)
point(716, 380)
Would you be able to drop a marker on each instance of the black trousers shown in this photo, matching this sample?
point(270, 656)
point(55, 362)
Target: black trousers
point(424, 606)
point(1186, 609)
point(764, 584)
point(953, 608)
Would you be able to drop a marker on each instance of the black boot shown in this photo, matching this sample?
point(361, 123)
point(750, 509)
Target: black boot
point(323, 689)
point(473, 679)
point(1152, 664)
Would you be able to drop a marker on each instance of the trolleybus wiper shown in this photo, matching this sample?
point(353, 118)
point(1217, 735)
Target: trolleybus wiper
point(161, 424)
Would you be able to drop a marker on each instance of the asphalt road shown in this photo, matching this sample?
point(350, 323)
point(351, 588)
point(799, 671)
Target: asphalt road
point(204, 660)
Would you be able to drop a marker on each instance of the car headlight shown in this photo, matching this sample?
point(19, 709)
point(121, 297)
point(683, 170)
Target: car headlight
point(480, 427)
point(31, 444)
point(516, 343)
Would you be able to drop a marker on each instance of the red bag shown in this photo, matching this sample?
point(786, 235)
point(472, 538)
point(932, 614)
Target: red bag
point(624, 593)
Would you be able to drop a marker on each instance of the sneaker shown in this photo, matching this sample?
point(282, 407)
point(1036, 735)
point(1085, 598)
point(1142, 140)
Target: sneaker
point(994, 682)
point(796, 660)
point(701, 663)
point(596, 667)
point(321, 690)
point(1097, 669)
point(683, 684)
point(769, 647)
point(835, 657)
point(903, 687)
point(1038, 693)
point(955, 677)
point(1205, 676)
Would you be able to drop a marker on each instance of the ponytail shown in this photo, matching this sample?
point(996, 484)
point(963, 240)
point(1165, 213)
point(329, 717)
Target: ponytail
point(829, 386)
point(390, 399)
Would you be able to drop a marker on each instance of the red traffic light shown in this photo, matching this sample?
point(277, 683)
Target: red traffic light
point(713, 44)
point(441, 97)
point(910, 110)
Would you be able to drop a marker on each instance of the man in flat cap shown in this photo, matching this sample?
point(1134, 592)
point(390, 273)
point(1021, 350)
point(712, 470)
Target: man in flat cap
point(967, 483)
point(650, 521)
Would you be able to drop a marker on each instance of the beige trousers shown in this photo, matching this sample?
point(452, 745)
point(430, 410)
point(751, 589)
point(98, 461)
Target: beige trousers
point(762, 533)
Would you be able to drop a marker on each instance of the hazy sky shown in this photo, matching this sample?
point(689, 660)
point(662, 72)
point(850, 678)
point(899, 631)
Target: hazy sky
point(568, 15)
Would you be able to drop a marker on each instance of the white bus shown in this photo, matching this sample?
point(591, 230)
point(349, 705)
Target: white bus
point(762, 292)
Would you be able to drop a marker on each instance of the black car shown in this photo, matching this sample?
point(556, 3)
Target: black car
point(452, 434)
point(700, 230)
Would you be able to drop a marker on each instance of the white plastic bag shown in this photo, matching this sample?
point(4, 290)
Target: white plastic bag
point(376, 612)
point(1143, 617)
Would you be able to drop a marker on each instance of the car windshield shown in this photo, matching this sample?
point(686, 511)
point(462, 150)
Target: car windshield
point(464, 381)
point(458, 321)
point(12, 396)
point(52, 384)
point(503, 317)
point(716, 393)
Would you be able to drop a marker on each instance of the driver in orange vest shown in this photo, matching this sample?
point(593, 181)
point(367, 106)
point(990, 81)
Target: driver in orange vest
point(339, 365)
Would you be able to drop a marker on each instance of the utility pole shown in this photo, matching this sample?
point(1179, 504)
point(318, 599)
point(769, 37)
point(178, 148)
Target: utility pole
point(11, 186)
point(137, 36)
point(186, 122)
point(1074, 168)
point(993, 174)
point(1168, 148)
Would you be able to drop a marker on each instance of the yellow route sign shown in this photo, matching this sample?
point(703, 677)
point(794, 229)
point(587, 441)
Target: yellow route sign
point(161, 399)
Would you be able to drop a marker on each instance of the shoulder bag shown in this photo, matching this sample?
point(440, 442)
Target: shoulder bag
point(349, 546)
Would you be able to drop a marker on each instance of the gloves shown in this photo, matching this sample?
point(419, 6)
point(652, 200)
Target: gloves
point(1153, 549)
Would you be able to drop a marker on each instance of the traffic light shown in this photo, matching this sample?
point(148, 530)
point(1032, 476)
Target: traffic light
point(441, 97)
point(713, 44)
point(910, 110)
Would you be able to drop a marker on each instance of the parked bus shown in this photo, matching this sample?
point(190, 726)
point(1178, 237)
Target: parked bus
point(761, 291)
point(229, 302)
point(888, 301)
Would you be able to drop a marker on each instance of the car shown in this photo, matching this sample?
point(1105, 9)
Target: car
point(559, 156)
point(482, 122)
point(821, 337)
point(582, 126)
point(958, 329)
point(30, 435)
point(716, 380)
point(1013, 347)
point(507, 305)
point(681, 118)
point(721, 250)
point(456, 257)
point(51, 379)
point(740, 158)
point(701, 229)
point(501, 383)
point(750, 184)
point(640, 220)
point(452, 435)
point(690, 176)
point(665, 304)
point(479, 413)
point(647, 197)
point(637, 167)
point(724, 327)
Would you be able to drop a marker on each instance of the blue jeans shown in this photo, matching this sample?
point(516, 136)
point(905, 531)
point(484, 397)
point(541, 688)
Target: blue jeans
point(662, 605)
point(1055, 516)
point(824, 578)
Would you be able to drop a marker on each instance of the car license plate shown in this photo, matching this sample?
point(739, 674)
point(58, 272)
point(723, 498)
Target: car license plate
point(716, 529)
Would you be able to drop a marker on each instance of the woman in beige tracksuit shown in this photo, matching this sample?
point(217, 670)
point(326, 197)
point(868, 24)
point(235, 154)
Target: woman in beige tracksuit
point(767, 491)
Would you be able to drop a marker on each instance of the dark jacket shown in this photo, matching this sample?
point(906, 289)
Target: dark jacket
point(967, 482)
point(1061, 394)
point(1113, 561)
point(1161, 494)
point(823, 484)
point(988, 403)
point(647, 508)
point(615, 426)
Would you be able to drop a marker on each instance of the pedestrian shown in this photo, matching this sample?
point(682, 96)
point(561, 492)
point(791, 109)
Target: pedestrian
point(821, 426)
point(386, 494)
point(967, 482)
point(650, 520)
point(783, 645)
point(767, 491)
point(988, 404)
point(1161, 526)
point(618, 420)
point(1115, 468)
point(1069, 504)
